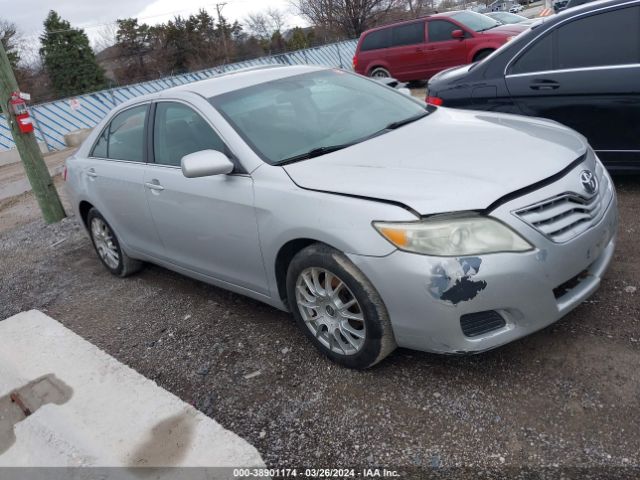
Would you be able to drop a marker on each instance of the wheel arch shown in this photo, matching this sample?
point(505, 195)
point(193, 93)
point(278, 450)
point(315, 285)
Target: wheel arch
point(83, 210)
point(283, 259)
point(481, 49)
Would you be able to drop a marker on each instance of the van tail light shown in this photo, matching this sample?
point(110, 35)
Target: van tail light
point(355, 62)
point(435, 100)
point(64, 173)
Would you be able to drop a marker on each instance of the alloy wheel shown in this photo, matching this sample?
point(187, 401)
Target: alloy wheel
point(330, 310)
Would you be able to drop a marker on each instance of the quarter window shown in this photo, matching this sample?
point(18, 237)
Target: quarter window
point(537, 58)
point(440, 30)
point(123, 138)
point(179, 131)
point(610, 38)
point(410, 34)
point(376, 40)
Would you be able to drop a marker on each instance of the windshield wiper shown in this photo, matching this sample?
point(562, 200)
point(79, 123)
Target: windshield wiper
point(315, 152)
point(406, 121)
point(488, 28)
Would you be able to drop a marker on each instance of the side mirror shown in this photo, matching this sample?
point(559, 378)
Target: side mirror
point(205, 163)
point(459, 34)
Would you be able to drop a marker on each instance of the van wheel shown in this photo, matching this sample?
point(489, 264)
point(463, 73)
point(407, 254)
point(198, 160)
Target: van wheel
point(108, 247)
point(379, 72)
point(482, 54)
point(338, 308)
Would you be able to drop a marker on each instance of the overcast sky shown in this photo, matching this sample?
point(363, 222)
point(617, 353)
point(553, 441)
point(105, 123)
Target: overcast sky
point(92, 15)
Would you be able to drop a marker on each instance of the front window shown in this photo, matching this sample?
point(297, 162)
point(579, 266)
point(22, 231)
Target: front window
point(318, 111)
point(475, 21)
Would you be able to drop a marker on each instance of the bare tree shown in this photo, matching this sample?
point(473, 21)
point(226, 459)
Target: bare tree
point(345, 17)
point(264, 24)
point(418, 8)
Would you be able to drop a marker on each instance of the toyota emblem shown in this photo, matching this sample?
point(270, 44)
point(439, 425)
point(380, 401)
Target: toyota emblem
point(588, 180)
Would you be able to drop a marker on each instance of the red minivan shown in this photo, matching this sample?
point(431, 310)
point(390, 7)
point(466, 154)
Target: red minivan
point(418, 49)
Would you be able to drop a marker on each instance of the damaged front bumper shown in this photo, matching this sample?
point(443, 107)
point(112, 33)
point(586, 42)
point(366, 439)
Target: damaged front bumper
point(431, 300)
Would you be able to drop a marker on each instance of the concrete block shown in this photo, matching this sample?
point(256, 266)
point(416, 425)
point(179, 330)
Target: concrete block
point(89, 410)
point(75, 138)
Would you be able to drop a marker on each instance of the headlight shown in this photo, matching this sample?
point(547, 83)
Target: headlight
point(453, 236)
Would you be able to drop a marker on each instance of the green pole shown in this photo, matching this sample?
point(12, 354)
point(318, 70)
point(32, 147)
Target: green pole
point(27, 145)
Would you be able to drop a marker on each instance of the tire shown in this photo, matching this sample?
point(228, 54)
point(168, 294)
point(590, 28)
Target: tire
point(362, 334)
point(482, 55)
point(379, 72)
point(107, 247)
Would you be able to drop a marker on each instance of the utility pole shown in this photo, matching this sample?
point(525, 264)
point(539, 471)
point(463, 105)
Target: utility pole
point(224, 30)
point(27, 146)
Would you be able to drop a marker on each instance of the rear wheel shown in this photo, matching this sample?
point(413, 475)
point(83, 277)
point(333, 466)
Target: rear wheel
point(379, 72)
point(108, 247)
point(338, 308)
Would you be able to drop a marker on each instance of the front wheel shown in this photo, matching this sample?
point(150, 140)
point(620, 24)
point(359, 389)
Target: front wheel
point(338, 308)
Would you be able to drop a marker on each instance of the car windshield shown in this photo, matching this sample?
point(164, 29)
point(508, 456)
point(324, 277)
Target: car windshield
point(314, 113)
point(475, 21)
point(506, 17)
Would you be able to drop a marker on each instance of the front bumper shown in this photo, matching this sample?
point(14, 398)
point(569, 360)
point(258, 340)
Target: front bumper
point(528, 290)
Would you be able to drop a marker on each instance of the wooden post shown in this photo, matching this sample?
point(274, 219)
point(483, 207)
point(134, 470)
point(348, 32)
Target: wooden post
point(27, 146)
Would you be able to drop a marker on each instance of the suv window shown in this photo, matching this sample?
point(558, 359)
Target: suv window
point(610, 38)
point(377, 39)
point(123, 138)
point(410, 34)
point(178, 131)
point(440, 30)
point(537, 58)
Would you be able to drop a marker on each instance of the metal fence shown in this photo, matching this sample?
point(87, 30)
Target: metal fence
point(55, 119)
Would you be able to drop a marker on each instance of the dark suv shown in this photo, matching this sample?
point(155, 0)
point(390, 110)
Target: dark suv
point(580, 68)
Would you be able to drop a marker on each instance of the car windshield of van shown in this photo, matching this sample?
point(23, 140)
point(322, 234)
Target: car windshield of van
point(475, 21)
point(308, 115)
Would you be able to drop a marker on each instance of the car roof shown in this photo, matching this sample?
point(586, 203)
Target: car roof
point(230, 81)
point(590, 6)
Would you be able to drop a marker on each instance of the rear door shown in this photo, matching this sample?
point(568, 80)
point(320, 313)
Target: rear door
point(208, 224)
point(585, 73)
point(407, 55)
point(444, 51)
point(114, 174)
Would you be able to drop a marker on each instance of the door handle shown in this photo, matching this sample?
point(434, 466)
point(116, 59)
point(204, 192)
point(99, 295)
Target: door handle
point(91, 173)
point(154, 185)
point(544, 85)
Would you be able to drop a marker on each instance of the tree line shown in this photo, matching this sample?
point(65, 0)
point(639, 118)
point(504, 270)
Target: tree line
point(67, 65)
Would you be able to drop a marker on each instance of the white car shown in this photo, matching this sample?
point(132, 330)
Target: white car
point(516, 8)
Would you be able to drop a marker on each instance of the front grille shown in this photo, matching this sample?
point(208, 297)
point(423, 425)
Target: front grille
point(566, 216)
point(475, 324)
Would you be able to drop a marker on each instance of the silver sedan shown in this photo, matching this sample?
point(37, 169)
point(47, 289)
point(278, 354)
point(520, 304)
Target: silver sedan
point(377, 220)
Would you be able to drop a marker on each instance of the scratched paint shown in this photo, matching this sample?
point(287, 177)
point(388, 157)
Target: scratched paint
point(452, 280)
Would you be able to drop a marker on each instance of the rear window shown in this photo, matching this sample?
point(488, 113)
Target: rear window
point(410, 34)
point(376, 40)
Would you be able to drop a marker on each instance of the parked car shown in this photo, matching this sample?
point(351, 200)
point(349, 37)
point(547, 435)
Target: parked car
point(570, 4)
point(580, 68)
point(418, 49)
point(559, 5)
point(506, 18)
point(516, 8)
point(376, 219)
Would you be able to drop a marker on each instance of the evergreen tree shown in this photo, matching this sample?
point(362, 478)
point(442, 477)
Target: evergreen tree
point(68, 58)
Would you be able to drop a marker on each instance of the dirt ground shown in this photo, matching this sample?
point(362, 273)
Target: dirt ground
point(566, 397)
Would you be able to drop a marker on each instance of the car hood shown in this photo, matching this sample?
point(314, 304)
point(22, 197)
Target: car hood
point(451, 160)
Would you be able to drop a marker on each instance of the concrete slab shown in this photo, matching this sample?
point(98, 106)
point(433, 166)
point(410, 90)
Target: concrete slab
point(87, 409)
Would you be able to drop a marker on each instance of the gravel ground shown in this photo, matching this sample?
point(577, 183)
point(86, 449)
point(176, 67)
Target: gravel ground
point(568, 395)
